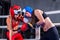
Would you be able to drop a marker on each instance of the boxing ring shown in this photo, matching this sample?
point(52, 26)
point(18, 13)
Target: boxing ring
point(36, 29)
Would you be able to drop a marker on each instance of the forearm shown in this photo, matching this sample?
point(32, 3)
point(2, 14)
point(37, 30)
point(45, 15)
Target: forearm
point(41, 19)
point(38, 13)
point(43, 16)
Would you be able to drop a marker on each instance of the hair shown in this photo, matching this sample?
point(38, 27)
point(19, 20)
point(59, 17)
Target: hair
point(34, 19)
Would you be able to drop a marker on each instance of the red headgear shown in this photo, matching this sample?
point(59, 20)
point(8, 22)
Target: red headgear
point(15, 7)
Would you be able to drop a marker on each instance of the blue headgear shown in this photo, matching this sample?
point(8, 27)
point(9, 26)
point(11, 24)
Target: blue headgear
point(28, 9)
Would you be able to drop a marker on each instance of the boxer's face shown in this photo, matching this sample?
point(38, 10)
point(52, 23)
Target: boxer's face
point(17, 13)
point(18, 16)
point(28, 14)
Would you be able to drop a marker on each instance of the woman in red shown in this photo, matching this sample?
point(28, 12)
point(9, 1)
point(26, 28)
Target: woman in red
point(12, 23)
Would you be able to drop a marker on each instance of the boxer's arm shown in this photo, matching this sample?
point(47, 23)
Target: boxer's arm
point(38, 13)
point(8, 22)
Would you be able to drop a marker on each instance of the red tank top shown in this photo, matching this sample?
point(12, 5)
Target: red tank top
point(14, 23)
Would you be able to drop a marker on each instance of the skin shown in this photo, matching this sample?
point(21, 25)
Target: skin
point(48, 23)
point(8, 21)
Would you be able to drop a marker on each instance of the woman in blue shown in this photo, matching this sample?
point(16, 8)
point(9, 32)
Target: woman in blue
point(40, 18)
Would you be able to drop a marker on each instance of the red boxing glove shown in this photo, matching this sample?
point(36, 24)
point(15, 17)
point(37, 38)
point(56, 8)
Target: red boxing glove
point(24, 27)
